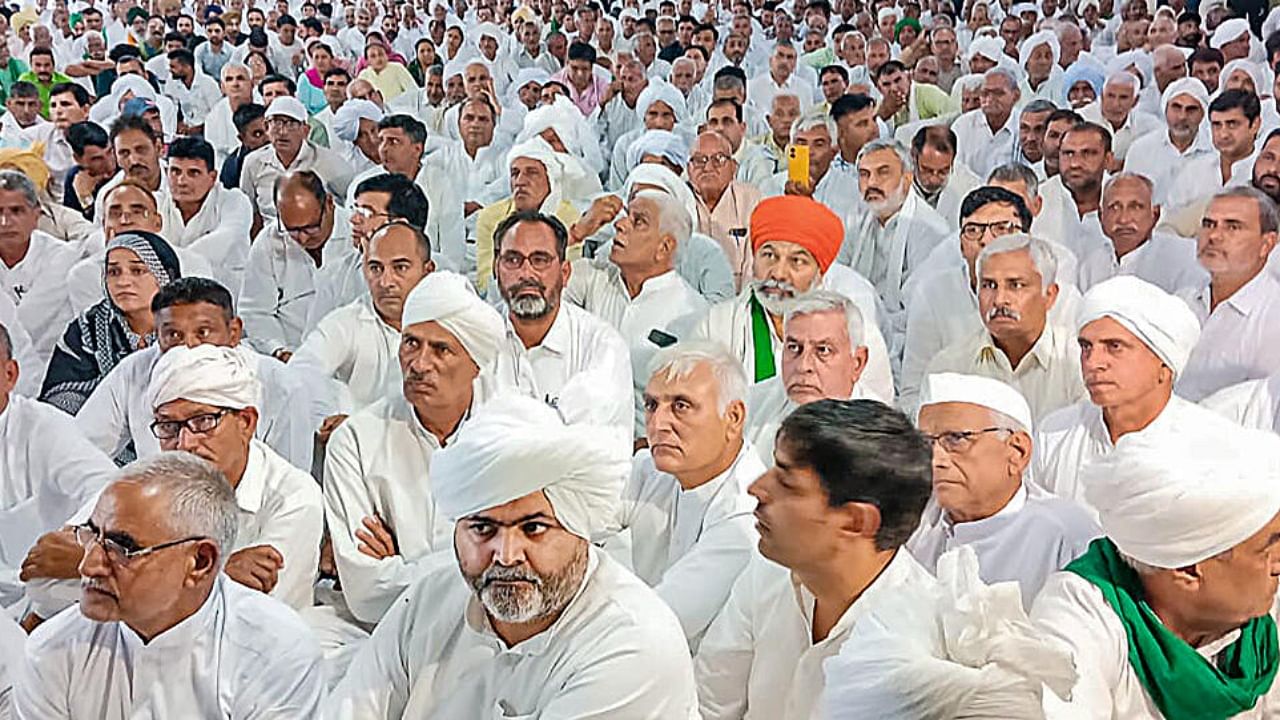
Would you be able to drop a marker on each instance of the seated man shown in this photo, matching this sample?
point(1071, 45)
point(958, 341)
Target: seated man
point(1174, 608)
point(566, 628)
point(1019, 344)
point(686, 504)
point(981, 433)
point(379, 487)
point(794, 241)
point(154, 603)
point(205, 400)
point(288, 152)
point(823, 356)
point(1134, 342)
point(48, 471)
point(561, 353)
point(831, 536)
point(188, 312)
point(295, 266)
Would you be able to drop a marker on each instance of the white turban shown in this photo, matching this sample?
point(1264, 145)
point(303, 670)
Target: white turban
point(1161, 321)
point(1044, 37)
point(514, 446)
point(562, 170)
point(984, 392)
point(670, 183)
point(1174, 497)
point(578, 137)
point(663, 143)
point(989, 48)
point(1261, 83)
point(456, 66)
point(1228, 31)
point(447, 298)
point(1186, 86)
point(346, 122)
point(887, 12)
point(208, 374)
point(662, 91)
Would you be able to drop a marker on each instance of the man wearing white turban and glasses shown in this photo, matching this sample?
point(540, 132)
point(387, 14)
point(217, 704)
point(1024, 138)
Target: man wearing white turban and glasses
point(538, 622)
point(1171, 614)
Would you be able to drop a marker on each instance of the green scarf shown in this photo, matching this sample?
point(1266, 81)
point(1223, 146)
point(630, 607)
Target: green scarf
point(1182, 683)
point(761, 341)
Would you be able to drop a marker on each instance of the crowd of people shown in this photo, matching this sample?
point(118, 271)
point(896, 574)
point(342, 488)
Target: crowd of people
point(670, 359)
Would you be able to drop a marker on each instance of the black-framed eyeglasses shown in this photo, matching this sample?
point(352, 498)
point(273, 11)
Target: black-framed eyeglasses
point(975, 230)
point(196, 424)
point(958, 441)
point(717, 160)
point(120, 553)
point(305, 230)
point(512, 260)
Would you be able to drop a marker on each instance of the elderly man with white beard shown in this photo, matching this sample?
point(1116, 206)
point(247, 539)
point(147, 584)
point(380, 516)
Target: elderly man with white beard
point(794, 241)
point(685, 506)
point(981, 433)
point(823, 356)
point(895, 234)
point(1134, 343)
point(540, 623)
point(1174, 609)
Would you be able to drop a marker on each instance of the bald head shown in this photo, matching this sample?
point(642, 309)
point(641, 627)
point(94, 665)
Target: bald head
point(712, 142)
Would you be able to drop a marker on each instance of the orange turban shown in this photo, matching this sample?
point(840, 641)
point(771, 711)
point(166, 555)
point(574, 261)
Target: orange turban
point(800, 220)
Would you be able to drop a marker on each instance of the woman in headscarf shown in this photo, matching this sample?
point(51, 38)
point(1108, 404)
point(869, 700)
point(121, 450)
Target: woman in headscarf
point(391, 78)
point(138, 264)
point(425, 49)
point(966, 93)
point(259, 65)
point(311, 81)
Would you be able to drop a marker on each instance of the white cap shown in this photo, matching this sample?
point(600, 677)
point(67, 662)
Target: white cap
point(287, 106)
point(976, 390)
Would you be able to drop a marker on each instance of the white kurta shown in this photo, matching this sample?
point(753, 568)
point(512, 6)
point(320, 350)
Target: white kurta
point(616, 651)
point(1072, 611)
point(1137, 124)
point(241, 655)
point(1155, 156)
point(768, 405)
point(665, 303)
point(219, 231)
point(117, 412)
point(282, 285)
point(377, 465)
point(37, 285)
point(280, 505)
point(1164, 260)
point(691, 545)
point(982, 150)
point(13, 639)
point(482, 179)
point(31, 370)
point(446, 227)
point(582, 366)
point(262, 168)
point(356, 353)
point(758, 660)
point(1200, 177)
point(1239, 340)
point(1034, 535)
point(1253, 403)
point(48, 471)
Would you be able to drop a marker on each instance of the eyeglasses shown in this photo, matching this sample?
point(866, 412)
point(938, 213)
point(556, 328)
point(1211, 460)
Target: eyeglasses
point(305, 231)
point(512, 260)
point(958, 441)
point(716, 161)
point(369, 213)
point(196, 424)
point(973, 231)
point(119, 553)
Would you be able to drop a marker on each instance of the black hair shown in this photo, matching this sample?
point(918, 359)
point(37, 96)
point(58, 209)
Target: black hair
point(191, 290)
point(192, 148)
point(184, 56)
point(246, 114)
point(125, 123)
point(1246, 101)
point(931, 135)
point(837, 69)
point(83, 135)
point(849, 104)
point(24, 89)
point(582, 51)
point(408, 202)
point(286, 19)
point(81, 95)
point(737, 109)
point(890, 67)
point(274, 78)
point(990, 194)
point(411, 126)
point(533, 216)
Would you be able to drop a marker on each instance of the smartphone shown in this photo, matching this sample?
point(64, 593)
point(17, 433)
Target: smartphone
point(798, 164)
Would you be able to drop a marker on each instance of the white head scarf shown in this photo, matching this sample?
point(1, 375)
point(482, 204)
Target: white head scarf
point(447, 298)
point(662, 91)
point(984, 392)
point(562, 170)
point(567, 121)
point(1228, 31)
point(1186, 86)
point(208, 374)
point(1174, 497)
point(514, 446)
point(346, 122)
point(1261, 83)
point(1161, 321)
point(670, 183)
point(663, 143)
point(1044, 37)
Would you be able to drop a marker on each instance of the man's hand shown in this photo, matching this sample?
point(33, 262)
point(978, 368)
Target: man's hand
point(470, 207)
point(376, 540)
point(30, 622)
point(330, 424)
point(602, 212)
point(257, 567)
point(282, 355)
point(890, 104)
point(56, 556)
point(794, 188)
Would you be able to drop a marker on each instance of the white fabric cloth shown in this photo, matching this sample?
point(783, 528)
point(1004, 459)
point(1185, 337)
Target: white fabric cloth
point(31, 371)
point(1164, 260)
point(378, 464)
point(13, 639)
point(355, 353)
point(976, 390)
point(447, 298)
point(242, 654)
point(768, 405)
point(283, 287)
point(1136, 125)
point(37, 286)
point(1239, 339)
point(1253, 403)
point(48, 471)
point(615, 651)
point(690, 545)
point(1161, 321)
point(207, 374)
point(196, 101)
point(118, 411)
point(219, 231)
point(981, 149)
point(758, 660)
point(1200, 177)
point(446, 227)
point(262, 168)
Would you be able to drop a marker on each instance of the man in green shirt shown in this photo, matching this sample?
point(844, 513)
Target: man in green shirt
point(11, 69)
point(43, 76)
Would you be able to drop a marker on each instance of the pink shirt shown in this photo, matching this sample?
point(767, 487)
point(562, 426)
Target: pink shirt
point(586, 100)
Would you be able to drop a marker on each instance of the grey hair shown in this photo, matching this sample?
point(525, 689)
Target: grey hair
point(725, 82)
point(1121, 75)
point(819, 301)
point(1005, 73)
point(678, 361)
point(1146, 182)
point(201, 501)
point(813, 118)
point(14, 181)
point(1041, 254)
point(1038, 105)
point(673, 216)
point(222, 74)
point(1268, 216)
point(888, 144)
point(1017, 172)
point(783, 94)
point(6, 343)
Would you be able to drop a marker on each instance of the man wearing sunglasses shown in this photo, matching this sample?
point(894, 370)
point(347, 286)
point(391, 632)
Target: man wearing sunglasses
point(159, 629)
